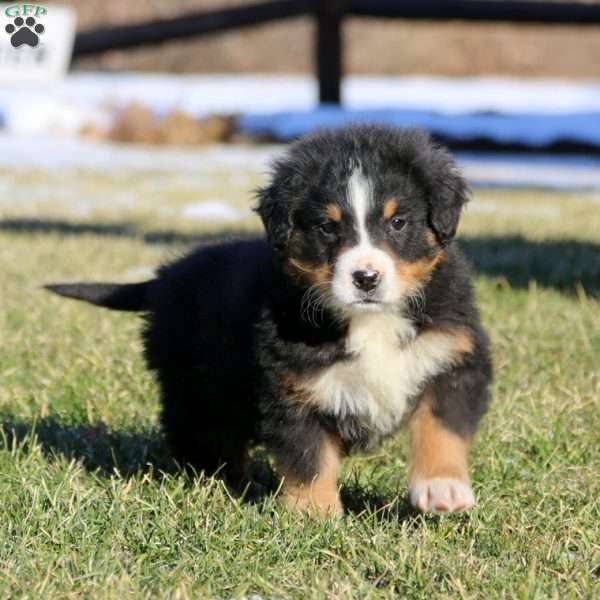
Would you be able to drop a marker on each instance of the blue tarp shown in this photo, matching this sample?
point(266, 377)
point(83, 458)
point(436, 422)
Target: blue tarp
point(534, 130)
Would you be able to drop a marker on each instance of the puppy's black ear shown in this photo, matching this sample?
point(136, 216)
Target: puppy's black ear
point(449, 193)
point(276, 216)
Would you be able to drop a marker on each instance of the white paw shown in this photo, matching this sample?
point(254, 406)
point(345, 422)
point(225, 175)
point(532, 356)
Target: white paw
point(441, 495)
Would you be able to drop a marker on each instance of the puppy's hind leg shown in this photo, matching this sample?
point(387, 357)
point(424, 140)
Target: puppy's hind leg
point(203, 441)
point(214, 452)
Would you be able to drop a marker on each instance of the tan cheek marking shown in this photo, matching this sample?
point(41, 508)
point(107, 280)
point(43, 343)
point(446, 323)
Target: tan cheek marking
point(319, 497)
point(334, 212)
point(435, 450)
point(419, 272)
point(303, 272)
point(390, 208)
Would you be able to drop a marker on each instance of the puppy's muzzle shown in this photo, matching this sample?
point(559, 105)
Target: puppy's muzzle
point(366, 280)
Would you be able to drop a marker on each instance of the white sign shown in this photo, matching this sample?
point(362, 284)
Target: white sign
point(36, 41)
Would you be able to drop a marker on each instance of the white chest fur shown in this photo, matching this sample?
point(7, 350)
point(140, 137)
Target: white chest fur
point(390, 365)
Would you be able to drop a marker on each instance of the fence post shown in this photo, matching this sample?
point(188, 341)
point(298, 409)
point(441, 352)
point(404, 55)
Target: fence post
point(328, 49)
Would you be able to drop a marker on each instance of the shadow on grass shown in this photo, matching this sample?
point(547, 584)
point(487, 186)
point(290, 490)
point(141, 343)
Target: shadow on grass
point(132, 454)
point(108, 452)
point(559, 264)
point(120, 230)
point(98, 449)
point(124, 453)
point(368, 501)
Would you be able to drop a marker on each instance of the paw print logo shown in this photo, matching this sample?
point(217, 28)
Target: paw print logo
point(24, 32)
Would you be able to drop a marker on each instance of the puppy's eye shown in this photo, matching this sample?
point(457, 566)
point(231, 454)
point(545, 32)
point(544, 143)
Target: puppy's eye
point(329, 228)
point(397, 224)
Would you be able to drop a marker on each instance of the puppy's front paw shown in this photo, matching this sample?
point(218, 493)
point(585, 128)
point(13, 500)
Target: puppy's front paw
point(441, 495)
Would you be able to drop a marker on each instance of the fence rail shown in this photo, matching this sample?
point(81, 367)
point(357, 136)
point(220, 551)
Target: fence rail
point(549, 13)
point(187, 25)
point(329, 16)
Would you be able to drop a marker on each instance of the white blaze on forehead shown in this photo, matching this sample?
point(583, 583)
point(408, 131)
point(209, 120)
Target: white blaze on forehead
point(359, 196)
point(364, 255)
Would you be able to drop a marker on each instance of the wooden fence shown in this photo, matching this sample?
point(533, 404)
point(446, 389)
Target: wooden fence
point(329, 16)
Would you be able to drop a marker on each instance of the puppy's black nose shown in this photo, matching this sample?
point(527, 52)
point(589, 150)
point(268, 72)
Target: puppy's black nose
point(366, 280)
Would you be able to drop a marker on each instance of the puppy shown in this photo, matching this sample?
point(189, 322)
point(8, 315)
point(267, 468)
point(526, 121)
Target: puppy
point(355, 316)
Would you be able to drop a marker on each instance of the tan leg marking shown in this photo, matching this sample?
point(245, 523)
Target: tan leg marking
point(319, 497)
point(439, 478)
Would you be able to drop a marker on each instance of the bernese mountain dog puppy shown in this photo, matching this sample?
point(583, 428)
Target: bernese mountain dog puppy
point(355, 316)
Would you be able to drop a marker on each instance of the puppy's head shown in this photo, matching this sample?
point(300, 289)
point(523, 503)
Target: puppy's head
point(362, 215)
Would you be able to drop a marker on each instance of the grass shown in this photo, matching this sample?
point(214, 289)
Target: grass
point(92, 505)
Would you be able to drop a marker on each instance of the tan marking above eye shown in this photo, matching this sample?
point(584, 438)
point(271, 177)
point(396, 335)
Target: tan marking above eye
point(334, 212)
point(431, 239)
point(390, 208)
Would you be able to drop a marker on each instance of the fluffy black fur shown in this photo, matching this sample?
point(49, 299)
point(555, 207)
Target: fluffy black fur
point(224, 326)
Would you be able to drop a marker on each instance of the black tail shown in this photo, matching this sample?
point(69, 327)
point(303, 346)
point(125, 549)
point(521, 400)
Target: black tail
point(117, 296)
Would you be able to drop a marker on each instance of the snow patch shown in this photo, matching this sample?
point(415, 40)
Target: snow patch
point(91, 98)
point(212, 211)
point(139, 273)
point(52, 154)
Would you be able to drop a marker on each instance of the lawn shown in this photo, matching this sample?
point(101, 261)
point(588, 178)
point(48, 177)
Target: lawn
point(92, 506)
